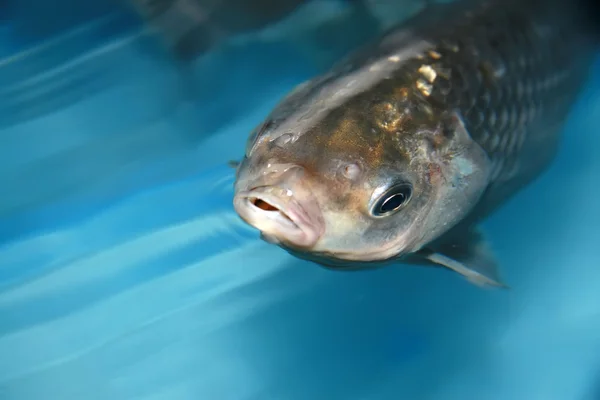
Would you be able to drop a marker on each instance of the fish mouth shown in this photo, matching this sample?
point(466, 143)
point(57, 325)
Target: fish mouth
point(278, 216)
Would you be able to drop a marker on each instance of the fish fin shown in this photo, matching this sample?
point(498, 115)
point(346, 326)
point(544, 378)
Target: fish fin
point(469, 255)
point(233, 164)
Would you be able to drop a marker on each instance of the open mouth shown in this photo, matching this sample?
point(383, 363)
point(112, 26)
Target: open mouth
point(263, 205)
point(269, 207)
point(278, 216)
point(274, 211)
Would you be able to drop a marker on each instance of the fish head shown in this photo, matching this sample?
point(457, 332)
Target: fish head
point(374, 179)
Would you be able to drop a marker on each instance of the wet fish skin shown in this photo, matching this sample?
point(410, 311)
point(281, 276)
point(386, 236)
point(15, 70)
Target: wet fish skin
point(464, 105)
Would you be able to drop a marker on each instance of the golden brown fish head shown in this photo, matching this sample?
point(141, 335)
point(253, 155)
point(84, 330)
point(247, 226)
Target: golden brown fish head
point(373, 179)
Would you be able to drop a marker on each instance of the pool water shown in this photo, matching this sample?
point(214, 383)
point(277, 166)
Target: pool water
point(125, 273)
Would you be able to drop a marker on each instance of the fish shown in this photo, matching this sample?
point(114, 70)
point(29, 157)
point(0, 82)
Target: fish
point(319, 30)
point(400, 151)
point(189, 29)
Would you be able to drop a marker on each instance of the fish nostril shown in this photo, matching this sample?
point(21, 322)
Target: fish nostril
point(263, 205)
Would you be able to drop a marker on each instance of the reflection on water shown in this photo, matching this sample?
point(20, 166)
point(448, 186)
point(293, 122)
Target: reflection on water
point(124, 272)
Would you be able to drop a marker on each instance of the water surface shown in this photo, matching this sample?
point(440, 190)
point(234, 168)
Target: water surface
point(125, 274)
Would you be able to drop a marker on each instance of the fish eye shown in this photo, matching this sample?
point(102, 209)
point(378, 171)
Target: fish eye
point(392, 200)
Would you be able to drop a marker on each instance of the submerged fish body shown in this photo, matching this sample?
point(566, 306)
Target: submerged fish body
point(403, 148)
point(190, 28)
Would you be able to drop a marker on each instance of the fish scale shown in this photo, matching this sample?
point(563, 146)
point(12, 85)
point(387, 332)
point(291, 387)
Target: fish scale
point(529, 85)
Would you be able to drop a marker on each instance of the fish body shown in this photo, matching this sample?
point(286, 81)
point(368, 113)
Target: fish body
point(399, 151)
point(190, 28)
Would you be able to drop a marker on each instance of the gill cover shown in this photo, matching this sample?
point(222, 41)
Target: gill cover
point(459, 172)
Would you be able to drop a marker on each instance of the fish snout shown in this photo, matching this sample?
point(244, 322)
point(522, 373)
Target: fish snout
point(249, 175)
point(282, 215)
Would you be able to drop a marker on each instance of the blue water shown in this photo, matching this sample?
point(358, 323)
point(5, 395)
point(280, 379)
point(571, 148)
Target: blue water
point(125, 274)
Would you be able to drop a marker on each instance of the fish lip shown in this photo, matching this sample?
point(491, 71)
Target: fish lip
point(292, 223)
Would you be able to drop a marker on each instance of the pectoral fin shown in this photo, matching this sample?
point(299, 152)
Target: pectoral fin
point(469, 255)
point(233, 164)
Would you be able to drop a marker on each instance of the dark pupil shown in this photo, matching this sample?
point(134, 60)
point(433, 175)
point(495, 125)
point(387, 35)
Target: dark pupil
point(393, 202)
